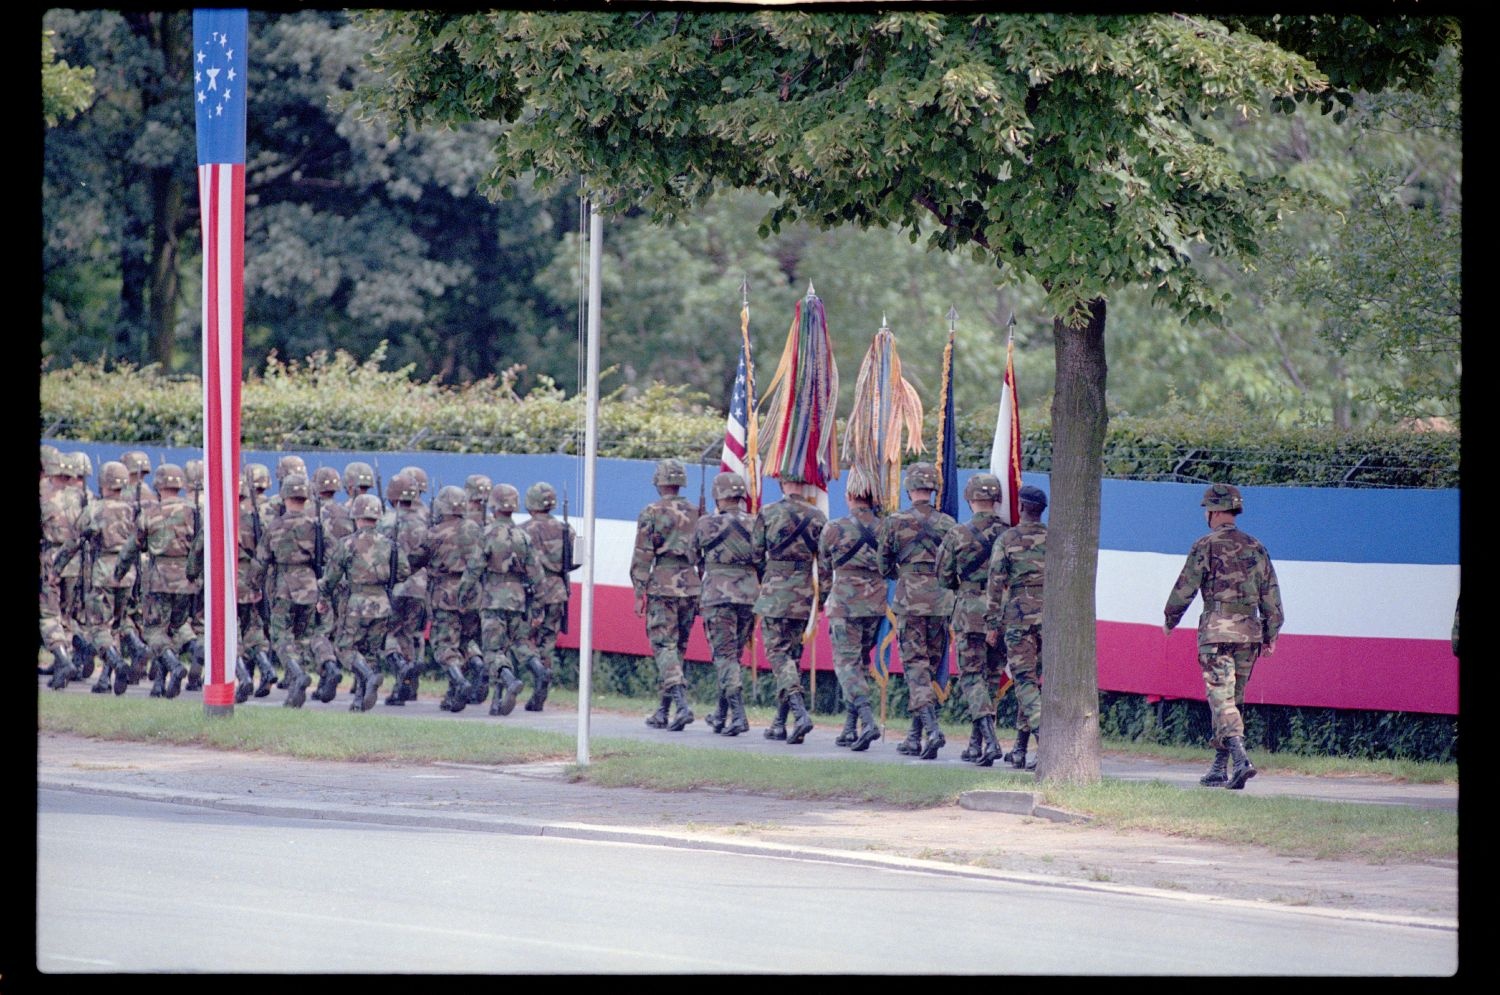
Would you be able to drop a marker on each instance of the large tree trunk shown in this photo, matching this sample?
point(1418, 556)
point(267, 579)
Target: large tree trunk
point(1070, 676)
point(166, 224)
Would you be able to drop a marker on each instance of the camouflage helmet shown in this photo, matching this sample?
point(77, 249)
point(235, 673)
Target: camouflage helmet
point(921, 477)
point(417, 474)
point(730, 486)
point(325, 480)
point(1033, 496)
point(288, 465)
point(259, 474)
point(113, 476)
point(136, 462)
point(80, 463)
point(401, 487)
point(294, 485)
point(504, 499)
point(244, 486)
point(365, 506)
point(982, 487)
point(1223, 497)
point(358, 475)
point(450, 501)
point(477, 487)
point(48, 452)
point(669, 473)
point(53, 464)
point(541, 497)
point(193, 471)
point(170, 475)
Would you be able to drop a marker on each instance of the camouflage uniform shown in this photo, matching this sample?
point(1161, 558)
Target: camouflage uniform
point(452, 553)
point(103, 530)
point(723, 546)
point(1018, 572)
point(664, 573)
point(360, 574)
point(407, 525)
point(509, 584)
point(909, 542)
point(59, 520)
point(848, 555)
point(253, 610)
point(166, 532)
point(785, 539)
point(1241, 615)
point(288, 545)
point(555, 544)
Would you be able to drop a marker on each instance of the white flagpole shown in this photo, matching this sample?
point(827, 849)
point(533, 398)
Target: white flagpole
point(590, 455)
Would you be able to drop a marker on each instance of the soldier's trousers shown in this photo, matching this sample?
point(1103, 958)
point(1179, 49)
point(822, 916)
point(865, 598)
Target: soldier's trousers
point(783, 638)
point(853, 642)
point(365, 636)
point(669, 622)
point(103, 616)
point(979, 668)
point(252, 629)
point(728, 628)
point(54, 632)
point(169, 620)
point(472, 636)
point(1226, 671)
point(921, 643)
point(544, 636)
point(447, 636)
point(1023, 650)
point(296, 635)
point(408, 616)
point(506, 634)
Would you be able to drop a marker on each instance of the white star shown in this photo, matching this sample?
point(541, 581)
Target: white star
point(200, 96)
point(200, 56)
point(213, 79)
point(227, 94)
point(230, 75)
point(229, 54)
point(219, 110)
point(223, 40)
point(197, 76)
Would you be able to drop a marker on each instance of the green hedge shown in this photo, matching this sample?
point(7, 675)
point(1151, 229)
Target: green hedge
point(335, 402)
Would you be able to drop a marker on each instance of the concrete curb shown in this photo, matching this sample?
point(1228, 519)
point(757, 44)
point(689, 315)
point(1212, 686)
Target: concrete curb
point(387, 816)
point(1017, 803)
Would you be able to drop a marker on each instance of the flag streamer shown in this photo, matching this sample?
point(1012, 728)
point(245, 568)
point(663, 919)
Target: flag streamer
point(947, 495)
point(800, 441)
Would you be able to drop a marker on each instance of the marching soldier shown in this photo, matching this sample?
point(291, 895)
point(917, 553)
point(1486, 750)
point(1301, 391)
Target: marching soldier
point(406, 525)
point(285, 467)
point(848, 556)
point(553, 542)
point(453, 555)
point(963, 567)
point(909, 542)
point(724, 547)
point(1015, 589)
point(477, 489)
point(337, 522)
point(359, 478)
point(166, 533)
point(1241, 618)
point(509, 587)
point(289, 545)
point(361, 570)
point(665, 578)
point(254, 611)
point(419, 475)
point(59, 522)
point(786, 538)
point(103, 530)
point(138, 464)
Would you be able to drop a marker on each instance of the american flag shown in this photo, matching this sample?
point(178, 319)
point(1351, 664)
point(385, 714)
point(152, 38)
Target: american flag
point(220, 40)
point(740, 442)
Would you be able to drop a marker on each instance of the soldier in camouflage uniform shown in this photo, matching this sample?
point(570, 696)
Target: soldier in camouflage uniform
point(785, 539)
point(1016, 587)
point(139, 466)
point(554, 543)
point(166, 532)
point(909, 542)
point(70, 577)
point(509, 606)
point(453, 554)
point(60, 511)
point(285, 467)
point(337, 522)
point(359, 478)
point(665, 577)
point(849, 562)
point(288, 545)
point(406, 524)
point(192, 472)
point(477, 489)
point(419, 476)
point(105, 526)
point(361, 571)
point(253, 610)
point(724, 549)
point(1240, 620)
point(963, 567)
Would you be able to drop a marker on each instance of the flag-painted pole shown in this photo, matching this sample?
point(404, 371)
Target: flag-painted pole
point(220, 43)
point(590, 457)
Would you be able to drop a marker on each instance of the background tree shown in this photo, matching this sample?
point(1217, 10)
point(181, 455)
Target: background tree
point(66, 90)
point(1065, 149)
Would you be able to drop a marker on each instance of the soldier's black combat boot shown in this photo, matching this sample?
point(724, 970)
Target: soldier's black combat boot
point(658, 719)
point(244, 683)
point(1218, 772)
point(195, 651)
point(777, 728)
point(870, 731)
point(1017, 756)
point(139, 653)
point(992, 750)
point(1035, 754)
point(267, 674)
point(62, 669)
point(1243, 769)
point(975, 749)
point(935, 738)
point(368, 689)
point(158, 678)
point(101, 686)
point(737, 722)
point(121, 669)
point(912, 744)
point(804, 723)
point(296, 683)
point(411, 683)
point(457, 697)
point(478, 676)
point(541, 683)
point(83, 658)
point(684, 716)
point(176, 672)
point(398, 665)
point(329, 676)
point(850, 732)
point(509, 690)
point(715, 719)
